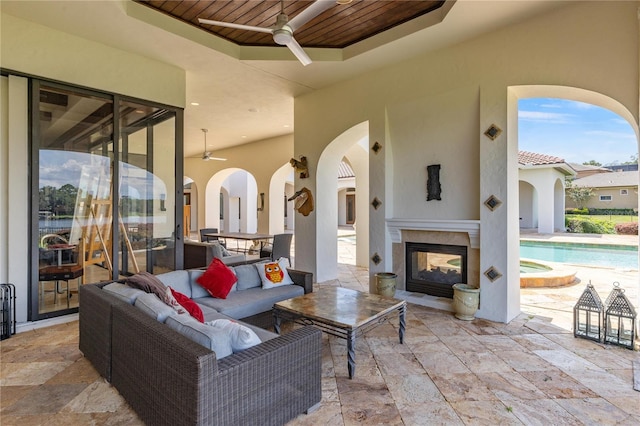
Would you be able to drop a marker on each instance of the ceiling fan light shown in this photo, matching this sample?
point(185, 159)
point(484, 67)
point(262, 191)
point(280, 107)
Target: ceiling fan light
point(282, 36)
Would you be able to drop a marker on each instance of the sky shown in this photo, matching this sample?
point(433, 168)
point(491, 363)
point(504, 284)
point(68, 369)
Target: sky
point(575, 131)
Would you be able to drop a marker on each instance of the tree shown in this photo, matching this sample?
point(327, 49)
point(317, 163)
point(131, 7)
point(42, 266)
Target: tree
point(634, 160)
point(578, 194)
point(592, 163)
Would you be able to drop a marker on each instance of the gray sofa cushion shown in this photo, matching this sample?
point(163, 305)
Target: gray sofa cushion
point(124, 292)
point(151, 305)
point(209, 337)
point(177, 280)
point(242, 304)
point(213, 315)
point(248, 276)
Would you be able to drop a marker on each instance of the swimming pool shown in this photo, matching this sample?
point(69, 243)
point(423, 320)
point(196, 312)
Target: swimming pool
point(612, 256)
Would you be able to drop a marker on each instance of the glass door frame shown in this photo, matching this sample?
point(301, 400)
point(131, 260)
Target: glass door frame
point(34, 178)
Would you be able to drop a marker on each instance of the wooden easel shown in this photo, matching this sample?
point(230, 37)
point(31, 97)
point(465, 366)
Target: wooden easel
point(98, 235)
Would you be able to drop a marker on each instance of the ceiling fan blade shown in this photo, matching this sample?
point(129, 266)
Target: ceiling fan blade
point(309, 13)
point(297, 50)
point(236, 26)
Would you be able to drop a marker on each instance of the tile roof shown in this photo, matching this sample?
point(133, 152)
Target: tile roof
point(605, 180)
point(535, 159)
point(345, 171)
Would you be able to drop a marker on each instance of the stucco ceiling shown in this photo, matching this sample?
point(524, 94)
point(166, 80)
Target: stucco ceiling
point(245, 93)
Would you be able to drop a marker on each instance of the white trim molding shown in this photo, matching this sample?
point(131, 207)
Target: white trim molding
point(471, 227)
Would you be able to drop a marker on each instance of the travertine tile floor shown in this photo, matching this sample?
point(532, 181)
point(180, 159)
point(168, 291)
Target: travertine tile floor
point(530, 371)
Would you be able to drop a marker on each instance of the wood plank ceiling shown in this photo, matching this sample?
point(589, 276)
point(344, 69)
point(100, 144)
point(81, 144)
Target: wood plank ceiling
point(338, 27)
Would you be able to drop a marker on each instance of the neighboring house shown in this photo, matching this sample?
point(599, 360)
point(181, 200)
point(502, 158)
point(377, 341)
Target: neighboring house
point(584, 170)
point(613, 190)
point(346, 194)
point(542, 193)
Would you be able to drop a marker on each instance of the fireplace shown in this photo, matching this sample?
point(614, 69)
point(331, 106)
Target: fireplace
point(433, 269)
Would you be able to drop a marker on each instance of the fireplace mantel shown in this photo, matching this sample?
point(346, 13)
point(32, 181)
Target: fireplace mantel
point(471, 227)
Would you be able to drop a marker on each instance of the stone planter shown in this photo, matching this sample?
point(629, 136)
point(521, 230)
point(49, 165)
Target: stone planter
point(386, 284)
point(466, 300)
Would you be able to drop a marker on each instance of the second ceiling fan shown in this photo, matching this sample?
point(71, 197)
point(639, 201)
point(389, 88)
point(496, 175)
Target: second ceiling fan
point(283, 30)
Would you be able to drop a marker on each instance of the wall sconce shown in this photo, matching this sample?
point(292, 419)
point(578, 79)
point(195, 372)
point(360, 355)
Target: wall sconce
point(261, 202)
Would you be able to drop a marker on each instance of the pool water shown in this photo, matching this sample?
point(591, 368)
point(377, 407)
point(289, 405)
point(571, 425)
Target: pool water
point(611, 256)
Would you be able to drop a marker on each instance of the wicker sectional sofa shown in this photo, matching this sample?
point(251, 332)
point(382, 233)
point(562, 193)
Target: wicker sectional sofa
point(169, 379)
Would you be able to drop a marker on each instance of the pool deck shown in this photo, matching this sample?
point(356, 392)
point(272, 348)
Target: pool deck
point(623, 240)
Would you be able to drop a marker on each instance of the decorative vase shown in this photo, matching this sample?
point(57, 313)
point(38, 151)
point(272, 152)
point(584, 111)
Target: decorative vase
point(466, 300)
point(386, 284)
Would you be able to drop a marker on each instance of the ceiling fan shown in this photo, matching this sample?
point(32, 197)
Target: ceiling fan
point(206, 155)
point(283, 30)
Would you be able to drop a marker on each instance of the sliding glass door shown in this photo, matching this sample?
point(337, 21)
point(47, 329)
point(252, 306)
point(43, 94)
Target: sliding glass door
point(103, 207)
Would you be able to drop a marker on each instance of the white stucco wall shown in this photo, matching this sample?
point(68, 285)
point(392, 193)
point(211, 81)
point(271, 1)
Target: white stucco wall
point(548, 198)
point(37, 50)
point(434, 109)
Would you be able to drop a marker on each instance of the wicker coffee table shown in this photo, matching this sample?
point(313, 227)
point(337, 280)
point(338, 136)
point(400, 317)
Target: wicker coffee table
point(341, 312)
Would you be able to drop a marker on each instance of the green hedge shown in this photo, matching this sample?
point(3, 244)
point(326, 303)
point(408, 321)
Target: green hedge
point(613, 212)
point(577, 211)
point(586, 225)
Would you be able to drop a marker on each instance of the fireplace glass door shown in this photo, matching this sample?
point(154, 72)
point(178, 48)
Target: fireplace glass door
point(433, 269)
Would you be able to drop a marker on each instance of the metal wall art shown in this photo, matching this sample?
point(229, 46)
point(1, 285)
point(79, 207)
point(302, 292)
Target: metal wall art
point(492, 273)
point(492, 203)
point(433, 182)
point(376, 147)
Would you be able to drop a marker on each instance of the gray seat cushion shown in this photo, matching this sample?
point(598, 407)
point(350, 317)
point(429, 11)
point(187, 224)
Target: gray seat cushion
point(245, 303)
point(177, 280)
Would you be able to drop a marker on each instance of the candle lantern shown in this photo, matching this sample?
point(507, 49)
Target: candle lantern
point(588, 315)
point(620, 320)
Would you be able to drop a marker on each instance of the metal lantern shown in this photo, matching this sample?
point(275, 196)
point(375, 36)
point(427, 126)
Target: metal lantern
point(588, 315)
point(620, 320)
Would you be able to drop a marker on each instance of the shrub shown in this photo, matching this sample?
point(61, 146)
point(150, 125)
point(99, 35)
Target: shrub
point(611, 212)
point(627, 228)
point(586, 225)
point(577, 211)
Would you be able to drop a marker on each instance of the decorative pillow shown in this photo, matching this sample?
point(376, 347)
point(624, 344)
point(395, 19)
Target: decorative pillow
point(209, 337)
point(188, 304)
point(274, 274)
point(149, 283)
point(240, 336)
point(248, 276)
point(173, 302)
point(217, 279)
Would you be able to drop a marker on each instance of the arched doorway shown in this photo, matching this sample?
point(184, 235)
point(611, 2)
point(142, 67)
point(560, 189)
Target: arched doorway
point(353, 144)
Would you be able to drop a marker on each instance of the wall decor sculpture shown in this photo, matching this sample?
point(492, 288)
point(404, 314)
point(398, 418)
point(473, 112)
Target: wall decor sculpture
point(303, 201)
point(300, 166)
point(433, 182)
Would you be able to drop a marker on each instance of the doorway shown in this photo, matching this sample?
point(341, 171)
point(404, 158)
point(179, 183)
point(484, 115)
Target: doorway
point(104, 197)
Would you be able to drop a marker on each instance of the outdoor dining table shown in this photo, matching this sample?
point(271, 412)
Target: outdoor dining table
point(262, 239)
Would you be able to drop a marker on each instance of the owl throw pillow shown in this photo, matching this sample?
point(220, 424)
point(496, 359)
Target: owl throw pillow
point(274, 274)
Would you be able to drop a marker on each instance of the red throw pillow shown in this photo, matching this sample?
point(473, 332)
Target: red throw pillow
point(217, 279)
point(191, 306)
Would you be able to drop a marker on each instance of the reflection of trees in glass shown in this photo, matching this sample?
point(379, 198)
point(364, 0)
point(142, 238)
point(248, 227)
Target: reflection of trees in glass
point(60, 201)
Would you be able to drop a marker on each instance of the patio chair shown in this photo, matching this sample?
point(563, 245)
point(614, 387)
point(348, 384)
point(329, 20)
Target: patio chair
point(281, 247)
point(207, 239)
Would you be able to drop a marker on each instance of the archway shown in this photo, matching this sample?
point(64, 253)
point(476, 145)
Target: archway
point(345, 144)
point(190, 191)
point(528, 206)
point(280, 185)
point(556, 194)
point(239, 189)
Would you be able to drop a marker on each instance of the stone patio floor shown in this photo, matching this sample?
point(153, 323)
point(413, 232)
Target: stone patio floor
point(448, 372)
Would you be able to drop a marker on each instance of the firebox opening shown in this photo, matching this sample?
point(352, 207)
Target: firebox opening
point(433, 269)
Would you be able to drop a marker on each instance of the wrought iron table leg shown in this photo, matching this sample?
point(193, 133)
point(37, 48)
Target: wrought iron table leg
point(403, 309)
point(351, 353)
point(276, 323)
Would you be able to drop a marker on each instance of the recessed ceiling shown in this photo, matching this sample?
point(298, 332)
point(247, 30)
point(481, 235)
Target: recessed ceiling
point(340, 26)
